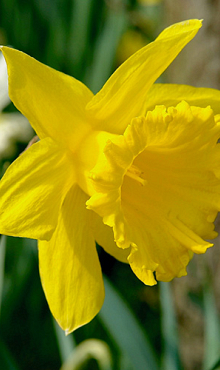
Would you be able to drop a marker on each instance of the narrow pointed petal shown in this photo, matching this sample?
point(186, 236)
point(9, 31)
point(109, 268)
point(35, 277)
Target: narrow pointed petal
point(124, 94)
point(171, 94)
point(53, 102)
point(69, 266)
point(32, 191)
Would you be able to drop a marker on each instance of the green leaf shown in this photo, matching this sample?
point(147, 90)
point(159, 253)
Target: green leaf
point(2, 265)
point(171, 359)
point(212, 329)
point(6, 360)
point(22, 254)
point(105, 49)
point(66, 344)
point(78, 33)
point(127, 333)
point(216, 366)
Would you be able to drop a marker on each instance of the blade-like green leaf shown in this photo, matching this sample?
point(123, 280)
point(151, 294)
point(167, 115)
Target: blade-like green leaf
point(66, 344)
point(127, 333)
point(212, 329)
point(78, 32)
point(105, 50)
point(2, 265)
point(6, 360)
point(216, 366)
point(171, 359)
point(18, 278)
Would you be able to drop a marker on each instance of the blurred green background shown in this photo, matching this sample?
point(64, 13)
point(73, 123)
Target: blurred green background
point(170, 326)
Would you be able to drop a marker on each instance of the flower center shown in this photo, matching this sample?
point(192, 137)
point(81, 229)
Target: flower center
point(136, 174)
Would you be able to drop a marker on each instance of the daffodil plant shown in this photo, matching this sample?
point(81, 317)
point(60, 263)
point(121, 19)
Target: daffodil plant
point(135, 168)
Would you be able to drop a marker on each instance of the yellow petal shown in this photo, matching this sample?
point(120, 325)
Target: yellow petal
point(156, 250)
point(53, 102)
point(171, 94)
point(32, 191)
point(105, 238)
point(69, 266)
point(159, 188)
point(124, 94)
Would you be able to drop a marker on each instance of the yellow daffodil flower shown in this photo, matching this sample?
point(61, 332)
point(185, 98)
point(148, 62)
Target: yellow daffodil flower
point(141, 157)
